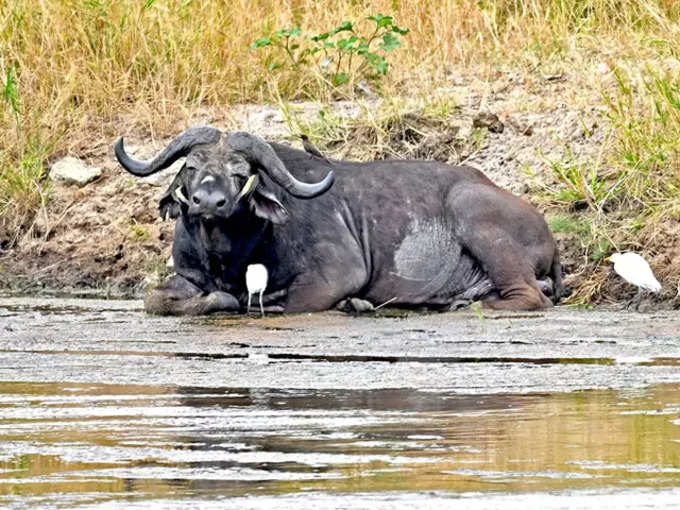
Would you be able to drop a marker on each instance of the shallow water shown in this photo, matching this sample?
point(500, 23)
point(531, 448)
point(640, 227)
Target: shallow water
point(68, 444)
point(437, 411)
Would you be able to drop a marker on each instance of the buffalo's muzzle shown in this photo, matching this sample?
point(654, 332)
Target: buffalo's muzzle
point(207, 202)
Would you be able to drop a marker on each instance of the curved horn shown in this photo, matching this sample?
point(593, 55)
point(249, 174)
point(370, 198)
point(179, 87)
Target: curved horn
point(259, 150)
point(177, 148)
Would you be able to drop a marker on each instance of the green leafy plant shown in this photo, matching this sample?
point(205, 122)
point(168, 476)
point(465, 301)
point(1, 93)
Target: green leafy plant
point(138, 232)
point(342, 55)
point(600, 249)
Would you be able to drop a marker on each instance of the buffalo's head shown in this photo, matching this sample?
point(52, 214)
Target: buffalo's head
point(223, 173)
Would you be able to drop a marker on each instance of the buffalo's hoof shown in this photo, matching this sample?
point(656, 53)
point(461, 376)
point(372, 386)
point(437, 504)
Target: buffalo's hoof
point(355, 305)
point(458, 304)
point(219, 301)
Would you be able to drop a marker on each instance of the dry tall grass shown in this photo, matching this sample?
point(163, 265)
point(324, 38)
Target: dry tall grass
point(71, 69)
point(79, 63)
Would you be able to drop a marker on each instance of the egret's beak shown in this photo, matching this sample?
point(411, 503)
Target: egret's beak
point(606, 259)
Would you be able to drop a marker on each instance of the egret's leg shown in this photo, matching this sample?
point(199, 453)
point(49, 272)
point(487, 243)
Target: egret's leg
point(249, 296)
point(635, 301)
point(261, 307)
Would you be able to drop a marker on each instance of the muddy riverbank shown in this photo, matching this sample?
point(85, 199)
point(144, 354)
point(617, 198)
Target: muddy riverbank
point(557, 350)
point(107, 237)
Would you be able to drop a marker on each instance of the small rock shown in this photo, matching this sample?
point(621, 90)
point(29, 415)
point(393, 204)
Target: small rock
point(73, 170)
point(489, 121)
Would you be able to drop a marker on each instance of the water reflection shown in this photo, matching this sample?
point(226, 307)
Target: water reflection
point(79, 443)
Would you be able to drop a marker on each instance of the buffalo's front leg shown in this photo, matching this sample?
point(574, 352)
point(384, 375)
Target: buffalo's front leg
point(341, 274)
point(178, 296)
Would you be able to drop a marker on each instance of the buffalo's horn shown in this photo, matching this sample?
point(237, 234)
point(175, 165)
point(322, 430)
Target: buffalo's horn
point(259, 150)
point(177, 148)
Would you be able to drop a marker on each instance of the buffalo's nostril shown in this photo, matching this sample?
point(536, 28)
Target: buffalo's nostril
point(221, 203)
point(195, 199)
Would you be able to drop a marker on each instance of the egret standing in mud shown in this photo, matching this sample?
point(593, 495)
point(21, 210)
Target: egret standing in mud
point(256, 282)
point(634, 269)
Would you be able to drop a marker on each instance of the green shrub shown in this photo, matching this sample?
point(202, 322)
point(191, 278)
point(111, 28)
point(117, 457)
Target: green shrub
point(343, 55)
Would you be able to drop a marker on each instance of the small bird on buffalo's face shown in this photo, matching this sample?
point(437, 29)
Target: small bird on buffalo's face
point(635, 270)
point(256, 282)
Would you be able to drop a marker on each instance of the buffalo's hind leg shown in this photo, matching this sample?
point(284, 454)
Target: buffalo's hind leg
point(519, 294)
point(355, 305)
point(506, 263)
point(178, 296)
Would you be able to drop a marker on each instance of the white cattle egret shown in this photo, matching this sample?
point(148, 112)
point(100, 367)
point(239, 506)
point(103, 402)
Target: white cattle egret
point(634, 269)
point(256, 282)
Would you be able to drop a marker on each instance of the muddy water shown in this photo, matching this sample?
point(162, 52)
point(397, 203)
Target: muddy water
point(102, 407)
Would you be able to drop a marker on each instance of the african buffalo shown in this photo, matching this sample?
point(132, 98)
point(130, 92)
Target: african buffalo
point(415, 233)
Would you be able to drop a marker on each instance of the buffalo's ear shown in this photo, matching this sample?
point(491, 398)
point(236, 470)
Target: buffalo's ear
point(168, 205)
point(267, 206)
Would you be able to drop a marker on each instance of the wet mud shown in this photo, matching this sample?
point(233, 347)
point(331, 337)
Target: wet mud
point(102, 406)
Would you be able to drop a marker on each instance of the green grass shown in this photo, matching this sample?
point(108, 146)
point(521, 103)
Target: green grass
point(138, 233)
point(634, 186)
point(570, 224)
point(639, 171)
point(645, 115)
